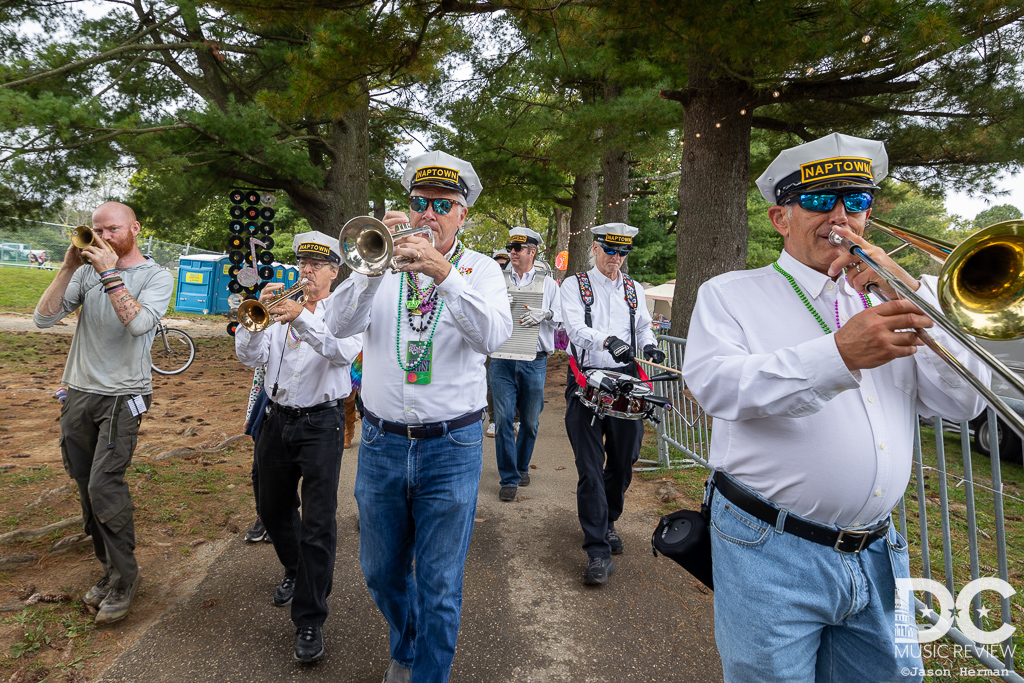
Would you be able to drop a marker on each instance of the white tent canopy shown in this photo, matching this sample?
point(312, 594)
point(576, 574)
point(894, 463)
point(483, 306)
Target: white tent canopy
point(659, 299)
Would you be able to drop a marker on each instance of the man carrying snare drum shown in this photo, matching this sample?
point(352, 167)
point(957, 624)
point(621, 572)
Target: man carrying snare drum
point(605, 314)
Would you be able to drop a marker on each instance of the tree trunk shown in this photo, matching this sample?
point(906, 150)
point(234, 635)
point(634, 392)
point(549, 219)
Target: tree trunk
point(615, 207)
point(584, 208)
point(711, 232)
point(562, 217)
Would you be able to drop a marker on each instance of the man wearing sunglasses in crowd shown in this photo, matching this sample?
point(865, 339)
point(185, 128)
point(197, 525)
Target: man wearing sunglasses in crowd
point(605, 315)
point(427, 331)
point(815, 386)
point(517, 381)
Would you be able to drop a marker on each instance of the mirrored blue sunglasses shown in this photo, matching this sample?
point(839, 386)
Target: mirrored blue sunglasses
point(441, 206)
point(616, 252)
point(855, 202)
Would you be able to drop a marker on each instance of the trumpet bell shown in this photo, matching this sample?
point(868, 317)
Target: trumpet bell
point(981, 286)
point(366, 245)
point(254, 315)
point(82, 237)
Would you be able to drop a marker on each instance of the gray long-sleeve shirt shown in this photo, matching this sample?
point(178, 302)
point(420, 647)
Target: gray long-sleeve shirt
point(106, 357)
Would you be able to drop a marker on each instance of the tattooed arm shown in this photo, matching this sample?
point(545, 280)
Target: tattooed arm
point(125, 305)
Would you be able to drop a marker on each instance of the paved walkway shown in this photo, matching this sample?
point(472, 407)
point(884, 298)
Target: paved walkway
point(526, 614)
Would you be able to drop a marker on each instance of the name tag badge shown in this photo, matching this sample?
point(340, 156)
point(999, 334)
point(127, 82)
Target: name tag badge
point(418, 352)
point(137, 405)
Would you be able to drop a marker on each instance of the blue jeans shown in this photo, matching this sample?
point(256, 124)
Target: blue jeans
point(788, 609)
point(417, 501)
point(516, 384)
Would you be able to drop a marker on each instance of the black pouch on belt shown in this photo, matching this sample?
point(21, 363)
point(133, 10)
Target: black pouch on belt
point(683, 536)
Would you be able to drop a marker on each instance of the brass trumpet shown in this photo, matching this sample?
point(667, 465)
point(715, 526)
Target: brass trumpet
point(368, 246)
point(254, 315)
point(83, 237)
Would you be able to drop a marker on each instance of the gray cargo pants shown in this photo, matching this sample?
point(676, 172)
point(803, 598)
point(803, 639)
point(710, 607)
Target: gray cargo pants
point(98, 437)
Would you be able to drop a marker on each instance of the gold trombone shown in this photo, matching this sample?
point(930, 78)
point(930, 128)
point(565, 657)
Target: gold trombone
point(254, 315)
point(980, 291)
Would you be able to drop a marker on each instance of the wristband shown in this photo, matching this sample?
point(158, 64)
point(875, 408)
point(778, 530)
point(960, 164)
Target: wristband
point(114, 288)
point(112, 271)
point(111, 279)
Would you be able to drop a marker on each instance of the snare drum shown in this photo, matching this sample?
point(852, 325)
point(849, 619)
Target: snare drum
point(631, 406)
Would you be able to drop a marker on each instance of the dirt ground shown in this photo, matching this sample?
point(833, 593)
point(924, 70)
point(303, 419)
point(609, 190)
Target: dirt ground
point(188, 503)
point(191, 493)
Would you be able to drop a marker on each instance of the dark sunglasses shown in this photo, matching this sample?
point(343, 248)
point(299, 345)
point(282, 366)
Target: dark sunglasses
point(619, 252)
point(517, 246)
point(855, 202)
point(441, 206)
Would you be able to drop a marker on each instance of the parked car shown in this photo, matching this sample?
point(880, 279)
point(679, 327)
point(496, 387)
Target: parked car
point(13, 251)
point(1012, 354)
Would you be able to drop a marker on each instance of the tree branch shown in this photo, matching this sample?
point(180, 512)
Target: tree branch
point(766, 123)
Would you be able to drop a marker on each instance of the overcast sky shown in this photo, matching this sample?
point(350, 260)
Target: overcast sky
point(969, 207)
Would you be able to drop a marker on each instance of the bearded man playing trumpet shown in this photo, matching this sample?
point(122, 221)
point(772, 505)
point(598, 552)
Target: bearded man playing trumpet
point(303, 434)
point(120, 295)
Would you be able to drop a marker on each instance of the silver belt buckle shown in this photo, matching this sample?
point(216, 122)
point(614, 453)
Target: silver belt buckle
point(863, 535)
point(408, 432)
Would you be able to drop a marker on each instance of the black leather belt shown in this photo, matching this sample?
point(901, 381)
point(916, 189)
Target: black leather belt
point(842, 540)
point(430, 430)
point(299, 412)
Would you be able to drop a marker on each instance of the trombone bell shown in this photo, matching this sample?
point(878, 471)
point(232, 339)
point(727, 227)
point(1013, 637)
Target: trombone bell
point(981, 286)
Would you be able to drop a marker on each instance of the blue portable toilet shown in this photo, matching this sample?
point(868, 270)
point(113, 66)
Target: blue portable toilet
point(203, 284)
point(288, 275)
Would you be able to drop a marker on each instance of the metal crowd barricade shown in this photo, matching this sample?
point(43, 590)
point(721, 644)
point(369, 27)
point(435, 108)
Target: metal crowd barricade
point(684, 441)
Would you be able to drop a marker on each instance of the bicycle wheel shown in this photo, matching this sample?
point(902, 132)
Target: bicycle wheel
point(173, 351)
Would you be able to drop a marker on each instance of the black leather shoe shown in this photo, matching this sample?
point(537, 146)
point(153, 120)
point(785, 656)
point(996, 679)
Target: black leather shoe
point(613, 540)
point(524, 478)
point(598, 571)
point(309, 644)
point(285, 591)
point(507, 494)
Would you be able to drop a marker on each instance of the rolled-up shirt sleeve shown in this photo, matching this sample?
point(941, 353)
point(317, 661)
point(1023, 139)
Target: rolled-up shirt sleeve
point(72, 299)
point(154, 299)
point(479, 309)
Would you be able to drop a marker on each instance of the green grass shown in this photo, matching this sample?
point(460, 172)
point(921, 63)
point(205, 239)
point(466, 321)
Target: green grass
point(21, 288)
point(690, 483)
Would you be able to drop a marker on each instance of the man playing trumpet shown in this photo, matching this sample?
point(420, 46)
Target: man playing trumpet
point(428, 330)
point(122, 295)
point(302, 436)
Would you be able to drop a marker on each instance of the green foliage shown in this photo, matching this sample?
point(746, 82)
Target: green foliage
point(996, 214)
point(765, 243)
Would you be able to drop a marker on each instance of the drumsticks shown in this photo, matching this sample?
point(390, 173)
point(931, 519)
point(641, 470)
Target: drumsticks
point(657, 365)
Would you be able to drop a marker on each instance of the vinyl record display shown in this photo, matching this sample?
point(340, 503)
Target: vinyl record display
point(237, 242)
point(233, 270)
point(253, 197)
point(265, 257)
point(236, 257)
point(266, 213)
point(267, 228)
point(232, 326)
point(236, 227)
point(268, 242)
point(236, 212)
point(234, 287)
point(236, 196)
point(252, 213)
point(267, 199)
point(266, 272)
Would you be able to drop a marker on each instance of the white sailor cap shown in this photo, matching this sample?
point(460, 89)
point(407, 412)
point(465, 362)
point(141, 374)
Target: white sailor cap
point(316, 245)
point(524, 236)
point(834, 162)
point(500, 253)
point(615, 235)
point(437, 169)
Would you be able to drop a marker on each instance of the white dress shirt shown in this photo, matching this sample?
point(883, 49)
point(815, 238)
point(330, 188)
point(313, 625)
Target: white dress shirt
point(791, 421)
point(475, 321)
point(317, 371)
point(550, 302)
point(609, 317)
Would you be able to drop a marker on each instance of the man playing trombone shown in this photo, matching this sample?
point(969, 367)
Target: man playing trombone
point(303, 433)
point(815, 387)
point(122, 296)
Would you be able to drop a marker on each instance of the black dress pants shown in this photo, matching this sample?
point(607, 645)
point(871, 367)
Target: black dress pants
point(304, 449)
point(605, 453)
